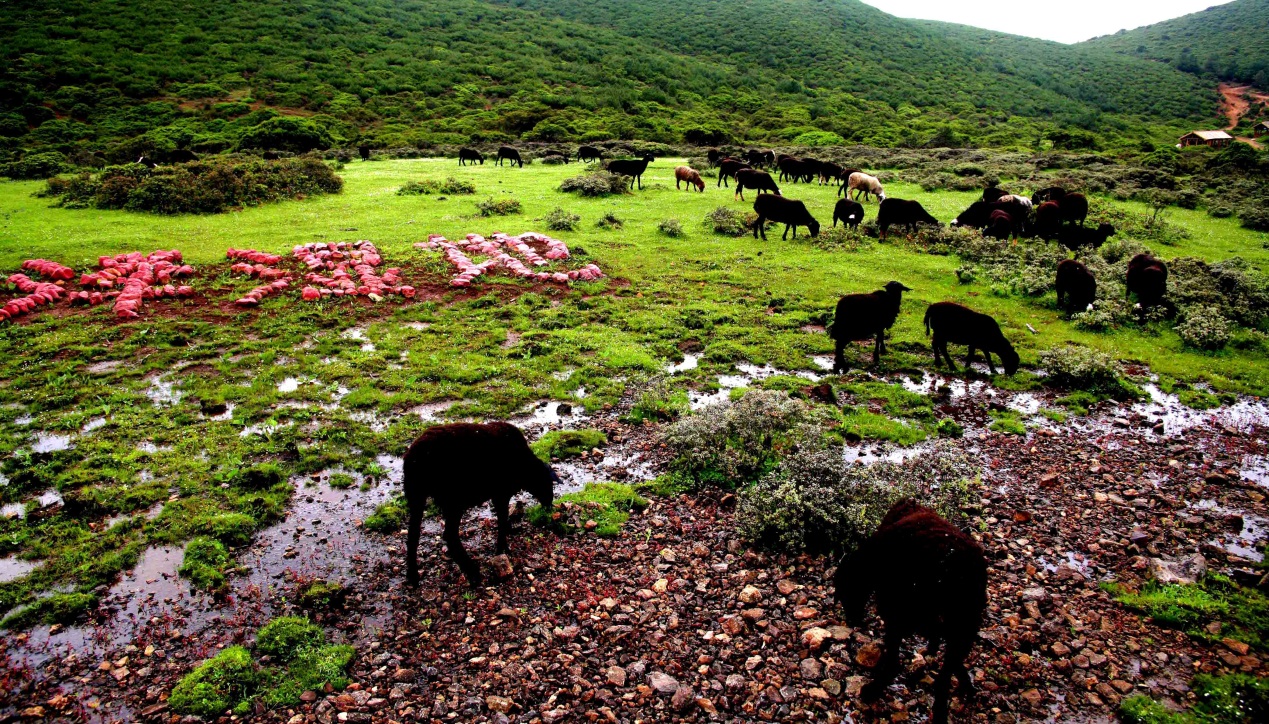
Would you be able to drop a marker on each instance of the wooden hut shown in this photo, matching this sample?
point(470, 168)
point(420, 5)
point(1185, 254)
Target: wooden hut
point(1215, 139)
point(1260, 129)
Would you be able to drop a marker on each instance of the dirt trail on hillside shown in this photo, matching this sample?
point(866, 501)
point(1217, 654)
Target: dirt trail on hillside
point(1235, 106)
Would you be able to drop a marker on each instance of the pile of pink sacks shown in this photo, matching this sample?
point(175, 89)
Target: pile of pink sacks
point(495, 246)
point(38, 294)
point(335, 269)
point(129, 279)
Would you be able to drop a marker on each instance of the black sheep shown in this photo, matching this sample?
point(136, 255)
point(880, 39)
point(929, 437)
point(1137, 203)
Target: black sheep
point(899, 212)
point(589, 153)
point(1048, 220)
point(999, 225)
point(1148, 279)
point(844, 178)
point(1076, 286)
point(930, 579)
point(460, 466)
point(850, 212)
point(1074, 208)
point(1076, 237)
point(829, 172)
point(864, 316)
point(714, 156)
point(956, 324)
point(364, 152)
point(470, 155)
point(759, 159)
point(979, 215)
point(728, 168)
point(508, 153)
point(797, 169)
point(1052, 193)
point(633, 168)
point(789, 212)
point(181, 155)
point(748, 178)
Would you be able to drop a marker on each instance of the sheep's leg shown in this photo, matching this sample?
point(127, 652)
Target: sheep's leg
point(970, 357)
point(883, 674)
point(412, 546)
point(839, 357)
point(876, 350)
point(954, 655)
point(501, 509)
point(454, 546)
point(991, 366)
point(785, 235)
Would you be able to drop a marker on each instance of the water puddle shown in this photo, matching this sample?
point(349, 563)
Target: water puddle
point(105, 366)
point(162, 392)
point(872, 453)
point(418, 326)
point(1246, 542)
point(562, 375)
point(94, 424)
point(47, 499)
point(431, 411)
point(23, 420)
point(13, 568)
point(550, 414)
point(1256, 469)
point(264, 429)
point(690, 361)
point(749, 374)
point(46, 442)
point(289, 385)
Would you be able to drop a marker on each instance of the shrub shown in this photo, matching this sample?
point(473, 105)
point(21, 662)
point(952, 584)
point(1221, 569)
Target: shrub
point(726, 221)
point(35, 166)
point(285, 637)
point(217, 685)
point(1254, 218)
point(815, 503)
point(1204, 327)
point(596, 183)
point(561, 220)
point(733, 443)
point(609, 221)
point(1106, 314)
point(204, 565)
point(659, 401)
point(498, 207)
point(286, 133)
point(1220, 212)
point(450, 185)
point(670, 227)
point(1080, 368)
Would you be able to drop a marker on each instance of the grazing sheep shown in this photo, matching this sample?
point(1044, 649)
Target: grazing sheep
point(691, 176)
point(999, 225)
point(829, 172)
point(714, 156)
point(631, 167)
point(589, 153)
point(270, 155)
point(900, 212)
point(930, 579)
point(1016, 199)
point(1048, 220)
point(460, 466)
point(864, 316)
point(956, 324)
point(798, 169)
point(789, 212)
point(980, 213)
point(509, 154)
point(862, 183)
point(850, 212)
point(760, 159)
point(992, 194)
point(748, 178)
point(1075, 237)
point(843, 188)
point(1052, 193)
point(364, 152)
point(1147, 278)
point(556, 152)
point(1076, 286)
point(146, 161)
point(728, 168)
point(470, 155)
point(1074, 208)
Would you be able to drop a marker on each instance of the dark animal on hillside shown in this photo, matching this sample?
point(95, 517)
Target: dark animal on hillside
point(1076, 286)
point(979, 214)
point(999, 225)
point(556, 152)
point(862, 183)
point(691, 176)
point(864, 316)
point(900, 212)
point(1147, 278)
point(507, 153)
point(589, 153)
point(930, 580)
point(1052, 193)
point(1075, 237)
point(364, 152)
point(829, 172)
point(460, 466)
point(1074, 208)
point(181, 155)
point(850, 212)
point(470, 155)
point(789, 212)
point(146, 161)
point(798, 169)
point(844, 180)
point(714, 156)
point(1048, 220)
point(748, 178)
point(760, 159)
point(631, 167)
point(728, 168)
point(270, 155)
point(991, 193)
point(956, 324)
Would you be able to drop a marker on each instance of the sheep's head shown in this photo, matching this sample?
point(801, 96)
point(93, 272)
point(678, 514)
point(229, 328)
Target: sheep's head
point(897, 288)
point(881, 196)
point(1010, 358)
point(814, 227)
point(542, 486)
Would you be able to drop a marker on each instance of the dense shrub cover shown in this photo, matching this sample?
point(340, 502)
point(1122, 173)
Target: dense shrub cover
point(210, 186)
point(596, 183)
point(450, 185)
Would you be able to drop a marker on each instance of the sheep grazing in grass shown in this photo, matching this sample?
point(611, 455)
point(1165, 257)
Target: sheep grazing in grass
point(631, 167)
point(364, 152)
point(1048, 220)
point(1147, 278)
point(859, 317)
point(470, 155)
point(992, 193)
point(727, 168)
point(1074, 208)
point(589, 153)
point(1019, 199)
point(951, 322)
point(901, 212)
point(862, 183)
point(981, 214)
point(1077, 237)
point(460, 466)
point(760, 159)
point(829, 172)
point(851, 213)
point(798, 169)
point(789, 212)
point(714, 155)
point(507, 153)
point(930, 580)
point(691, 176)
point(1052, 193)
point(1076, 286)
point(843, 179)
point(999, 225)
point(748, 178)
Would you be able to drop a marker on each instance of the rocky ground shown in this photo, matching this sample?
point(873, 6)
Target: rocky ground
point(676, 620)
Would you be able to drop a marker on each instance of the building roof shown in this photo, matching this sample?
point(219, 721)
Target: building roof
point(1262, 124)
point(1210, 135)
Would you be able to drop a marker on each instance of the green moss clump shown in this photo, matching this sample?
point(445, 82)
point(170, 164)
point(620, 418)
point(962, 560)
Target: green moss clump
point(1007, 421)
point(607, 504)
point(342, 480)
point(217, 685)
point(320, 594)
point(948, 427)
point(63, 608)
point(1232, 699)
point(205, 563)
point(567, 443)
point(388, 517)
point(285, 637)
point(232, 529)
point(1243, 613)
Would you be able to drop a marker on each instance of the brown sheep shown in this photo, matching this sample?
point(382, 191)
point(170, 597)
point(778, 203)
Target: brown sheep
point(691, 176)
point(951, 322)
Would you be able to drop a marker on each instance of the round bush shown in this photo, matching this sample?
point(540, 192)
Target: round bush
point(285, 637)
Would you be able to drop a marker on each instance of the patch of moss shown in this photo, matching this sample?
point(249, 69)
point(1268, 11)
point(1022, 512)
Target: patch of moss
point(284, 637)
point(1007, 421)
point(607, 504)
point(232, 529)
point(860, 424)
point(948, 427)
point(63, 608)
point(1079, 402)
point(217, 685)
point(319, 594)
point(388, 517)
point(342, 480)
point(1198, 399)
point(205, 563)
point(1243, 613)
point(564, 444)
point(1231, 699)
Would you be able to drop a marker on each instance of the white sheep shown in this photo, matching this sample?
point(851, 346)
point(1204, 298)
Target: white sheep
point(860, 182)
point(1015, 198)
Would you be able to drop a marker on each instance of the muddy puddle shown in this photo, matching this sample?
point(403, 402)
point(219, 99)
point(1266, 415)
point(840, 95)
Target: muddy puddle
point(13, 568)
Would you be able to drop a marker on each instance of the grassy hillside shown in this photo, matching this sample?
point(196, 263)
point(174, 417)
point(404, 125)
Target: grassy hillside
point(98, 75)
point(1228, 42)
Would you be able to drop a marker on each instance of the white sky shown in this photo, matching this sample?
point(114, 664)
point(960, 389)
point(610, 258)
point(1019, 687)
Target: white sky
point(1067, 21)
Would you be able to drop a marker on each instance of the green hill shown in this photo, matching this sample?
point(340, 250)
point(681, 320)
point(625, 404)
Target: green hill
point(128, 76)
point(1227, 42)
